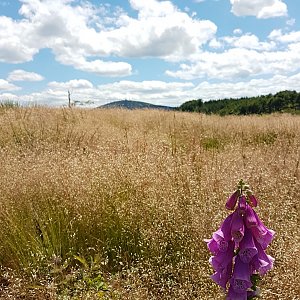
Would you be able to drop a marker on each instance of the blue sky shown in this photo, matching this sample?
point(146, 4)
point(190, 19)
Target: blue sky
point(162, 52)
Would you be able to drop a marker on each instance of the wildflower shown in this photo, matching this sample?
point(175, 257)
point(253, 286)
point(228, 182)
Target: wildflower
point(222, 259)
point(233, 295)
point(247, 247)
point(222, 276)
point(231, 202)
point(242, 204)
point(238, 247)
point(216, 244)
point(219, 241)
point(252, 200)
point(250, 217)
point(237, 226)
point(240, 280)
point(261, 261)
point(261, 233)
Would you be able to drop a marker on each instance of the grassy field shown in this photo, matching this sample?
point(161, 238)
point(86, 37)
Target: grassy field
point(115, 204)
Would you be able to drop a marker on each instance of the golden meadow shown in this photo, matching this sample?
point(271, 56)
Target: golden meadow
point(115, 204)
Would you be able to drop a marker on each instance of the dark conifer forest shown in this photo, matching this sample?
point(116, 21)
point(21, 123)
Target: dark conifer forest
point(284, 101)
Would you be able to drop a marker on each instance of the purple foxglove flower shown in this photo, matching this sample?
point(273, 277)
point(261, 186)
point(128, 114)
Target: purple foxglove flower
point(237, 226)
point(250, 217)
point(264, 269)
point(226, 227)
point(244, 232)
point(247, 247)
point(220, 261)
point(261, 261)
point(253, 201)
point(242, 204)
point(264, 238)
point(218, 236)
point(261, 233)
point(231, 201)
point(212, 246)
point(233, 295)
point(221, 277)
point(219, 241)
point(240, 280)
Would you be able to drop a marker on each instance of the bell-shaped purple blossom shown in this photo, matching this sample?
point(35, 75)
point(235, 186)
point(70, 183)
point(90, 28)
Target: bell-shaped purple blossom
point(233, 295)
point(218, 236)
point(212, 246)
point(222, 276)
point(220, 261)
point(240, 280)
point(250, 217)
point(262, 262)
point(231, 201)
point(253, 201)
point(261, 233)
point(247, 247)
point(226, 228)
point(237, 226)
point(242, 204)
point(219, 241)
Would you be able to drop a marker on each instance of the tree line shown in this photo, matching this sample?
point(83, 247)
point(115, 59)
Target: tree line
point(284, 101)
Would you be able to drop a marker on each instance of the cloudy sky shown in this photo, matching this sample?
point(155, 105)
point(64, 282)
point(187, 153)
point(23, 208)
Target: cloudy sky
point(162, 52)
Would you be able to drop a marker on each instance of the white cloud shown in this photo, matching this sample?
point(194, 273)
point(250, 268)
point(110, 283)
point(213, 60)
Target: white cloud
point(8, 97)
point(13, 47)
point(153, 8)
point(278, 36)
point(239, 64)
point(72, 84)
point(84, 35)
point(7, 86)
point(62, 26)
point(99, 67)
point(21, 75)
point(247, 41)
point(254, 87)
point(156, 92)
point(291, 22)
point(148, 87)
point(160, 30)
point(237, 31)
point(262, 9)
point(216, 44)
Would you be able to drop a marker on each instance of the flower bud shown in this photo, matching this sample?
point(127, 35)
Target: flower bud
point(237, 227)
point(253, 201)
point(250, 218)
point(242, 204)
point(231, 201)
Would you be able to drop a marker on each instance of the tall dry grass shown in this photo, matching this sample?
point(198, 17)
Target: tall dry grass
point(115, 204)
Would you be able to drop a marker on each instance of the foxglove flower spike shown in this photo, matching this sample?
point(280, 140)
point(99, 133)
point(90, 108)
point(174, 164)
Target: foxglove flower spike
point(238, 247)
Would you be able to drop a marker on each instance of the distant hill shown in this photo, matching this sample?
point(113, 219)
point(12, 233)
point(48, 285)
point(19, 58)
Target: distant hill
point(128, 104)
point(284, 101)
